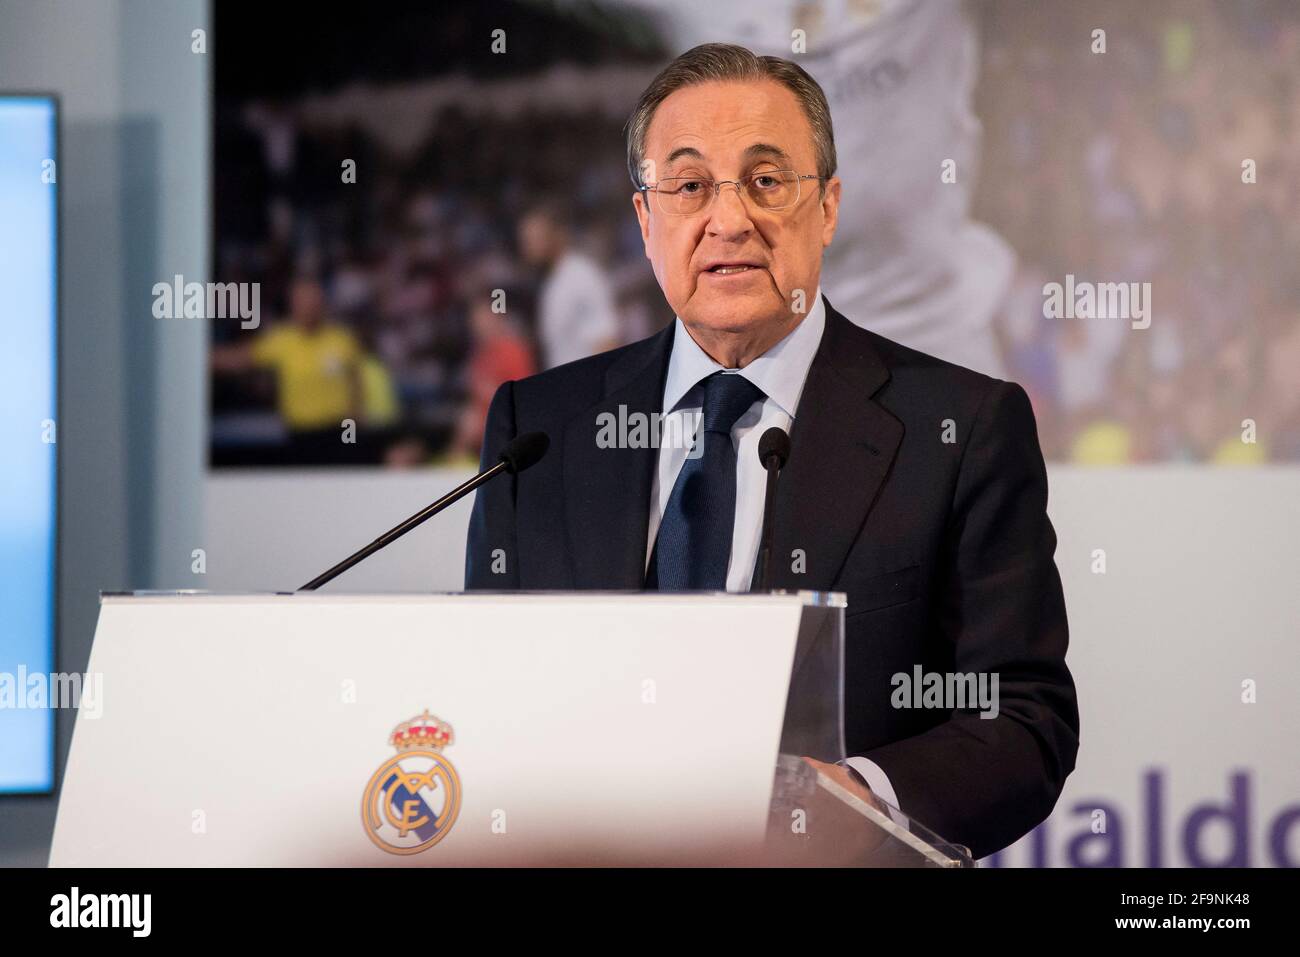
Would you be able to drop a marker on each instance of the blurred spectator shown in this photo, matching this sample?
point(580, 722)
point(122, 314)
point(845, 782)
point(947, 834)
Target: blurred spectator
point(381, 408)
point(1102, 442)
point(499, 354)
point(576, 316)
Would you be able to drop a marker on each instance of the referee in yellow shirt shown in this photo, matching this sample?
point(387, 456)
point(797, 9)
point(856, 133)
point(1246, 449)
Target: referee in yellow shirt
point(317, 366)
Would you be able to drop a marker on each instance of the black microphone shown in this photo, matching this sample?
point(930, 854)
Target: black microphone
point(773, 452)
point(523, 451)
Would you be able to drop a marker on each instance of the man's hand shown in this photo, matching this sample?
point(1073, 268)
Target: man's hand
point(848, 780)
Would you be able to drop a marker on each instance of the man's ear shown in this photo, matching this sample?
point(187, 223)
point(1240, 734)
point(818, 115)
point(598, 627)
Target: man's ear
point(643, 217)
point(830, 210)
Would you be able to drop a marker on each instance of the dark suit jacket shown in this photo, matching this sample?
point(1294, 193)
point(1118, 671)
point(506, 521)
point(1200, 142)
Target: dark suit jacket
point(943, 548)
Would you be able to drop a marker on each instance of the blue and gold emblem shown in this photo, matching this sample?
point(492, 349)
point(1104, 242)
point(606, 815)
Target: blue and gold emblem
point(412, 801)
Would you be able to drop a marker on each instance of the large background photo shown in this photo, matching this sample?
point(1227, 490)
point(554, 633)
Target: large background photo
point(428, 216)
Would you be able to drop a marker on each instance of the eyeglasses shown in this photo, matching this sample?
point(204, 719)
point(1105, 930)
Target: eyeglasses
point(766, 189)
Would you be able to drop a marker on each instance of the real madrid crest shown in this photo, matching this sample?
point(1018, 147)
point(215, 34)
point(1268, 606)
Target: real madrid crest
point(412, 801)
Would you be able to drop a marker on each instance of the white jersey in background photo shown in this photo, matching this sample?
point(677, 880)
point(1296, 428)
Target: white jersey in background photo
point(576, 316)
point(907, 261)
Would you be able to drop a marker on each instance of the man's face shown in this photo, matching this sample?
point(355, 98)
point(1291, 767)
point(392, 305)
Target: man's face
point(537, 239)
point(306, 303)
point(725, 131)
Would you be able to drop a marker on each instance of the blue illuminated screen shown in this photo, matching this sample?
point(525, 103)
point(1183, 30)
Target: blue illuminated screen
point(28, 438)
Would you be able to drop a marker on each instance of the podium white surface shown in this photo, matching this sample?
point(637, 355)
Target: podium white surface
point(583, 728)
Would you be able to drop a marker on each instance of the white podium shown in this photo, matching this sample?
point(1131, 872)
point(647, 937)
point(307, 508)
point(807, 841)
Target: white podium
point(467, 729)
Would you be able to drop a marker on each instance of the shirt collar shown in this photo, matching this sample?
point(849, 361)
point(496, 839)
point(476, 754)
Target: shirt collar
point(780, 372)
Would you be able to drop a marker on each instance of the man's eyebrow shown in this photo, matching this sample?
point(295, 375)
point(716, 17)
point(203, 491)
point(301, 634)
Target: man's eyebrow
point(767, 149)
point(681, 151)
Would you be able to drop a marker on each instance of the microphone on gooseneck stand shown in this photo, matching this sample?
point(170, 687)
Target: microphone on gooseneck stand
point(773, 452)
point(523, 451)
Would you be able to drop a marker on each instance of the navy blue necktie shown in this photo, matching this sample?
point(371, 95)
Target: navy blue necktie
point(694, 541)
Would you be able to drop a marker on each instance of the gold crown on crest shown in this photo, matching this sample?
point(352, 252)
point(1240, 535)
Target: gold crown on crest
point(423, 732)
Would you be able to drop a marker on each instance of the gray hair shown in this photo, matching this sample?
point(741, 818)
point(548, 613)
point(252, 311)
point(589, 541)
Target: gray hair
point(725, 61)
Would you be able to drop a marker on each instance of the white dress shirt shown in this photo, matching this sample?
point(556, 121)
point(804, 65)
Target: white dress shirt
point(780, 373)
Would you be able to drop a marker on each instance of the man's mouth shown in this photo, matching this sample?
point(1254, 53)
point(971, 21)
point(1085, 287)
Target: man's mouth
point(730, 269)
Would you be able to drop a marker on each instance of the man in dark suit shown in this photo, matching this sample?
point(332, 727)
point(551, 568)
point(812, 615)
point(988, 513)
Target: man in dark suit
point(914, 486)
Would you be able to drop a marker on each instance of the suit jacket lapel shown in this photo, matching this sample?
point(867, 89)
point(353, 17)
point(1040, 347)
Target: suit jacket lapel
point(842, 445)
point(607, 490)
